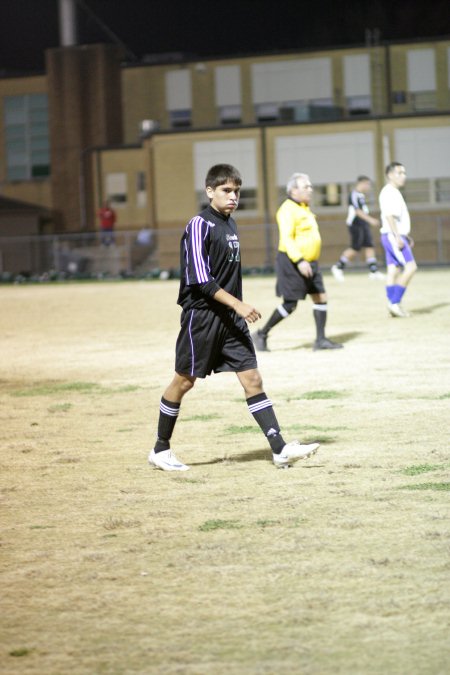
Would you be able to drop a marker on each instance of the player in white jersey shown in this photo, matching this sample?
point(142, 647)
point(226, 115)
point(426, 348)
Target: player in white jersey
point(395, 237)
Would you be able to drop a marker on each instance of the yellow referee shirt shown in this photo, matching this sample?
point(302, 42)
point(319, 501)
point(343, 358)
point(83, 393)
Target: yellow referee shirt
point(299, 231)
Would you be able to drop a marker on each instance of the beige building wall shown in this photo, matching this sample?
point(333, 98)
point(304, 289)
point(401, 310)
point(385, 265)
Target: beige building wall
point(127, 163)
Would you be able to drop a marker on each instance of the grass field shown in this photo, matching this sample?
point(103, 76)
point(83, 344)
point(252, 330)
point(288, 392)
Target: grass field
point(340, 565)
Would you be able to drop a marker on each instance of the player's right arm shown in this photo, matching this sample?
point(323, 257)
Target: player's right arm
point(393, 226)
point(361, 210)
point(365, 216)
point(286, 226)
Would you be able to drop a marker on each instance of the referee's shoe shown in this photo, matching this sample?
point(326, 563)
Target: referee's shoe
point(260, 341)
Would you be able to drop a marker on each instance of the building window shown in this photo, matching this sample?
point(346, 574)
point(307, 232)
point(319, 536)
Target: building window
point(179, 97)
point(27, 137)
point(267, 112)
point(240, 153)
point(116, 189)
point(230, 114)
point(421, 69)
point(417, 191)
point(357, 84)
point(228, 94)
point(328, 195)
point(180, 118)
point(443, 190)
point(141, 189)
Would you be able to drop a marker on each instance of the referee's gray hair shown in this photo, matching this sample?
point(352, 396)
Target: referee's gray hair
point(293, 181)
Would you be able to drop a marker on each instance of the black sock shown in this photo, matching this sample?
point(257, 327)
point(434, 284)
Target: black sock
point(261, 409)
point(372, 265)
point(320, 317)
point(273, 320)
point(341, 263)
point(168, 413)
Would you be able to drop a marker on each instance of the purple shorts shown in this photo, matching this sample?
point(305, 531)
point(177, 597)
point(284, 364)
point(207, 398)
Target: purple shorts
point(395, 255)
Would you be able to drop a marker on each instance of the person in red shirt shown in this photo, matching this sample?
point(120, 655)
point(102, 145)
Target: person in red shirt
point(107, 217)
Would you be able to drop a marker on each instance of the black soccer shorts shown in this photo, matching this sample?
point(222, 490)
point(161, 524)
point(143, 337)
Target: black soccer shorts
point(292, 285)
point(360, 235)
point(213, 341)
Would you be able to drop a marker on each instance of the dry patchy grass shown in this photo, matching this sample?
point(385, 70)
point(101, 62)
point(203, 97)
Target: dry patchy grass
point(339, 565)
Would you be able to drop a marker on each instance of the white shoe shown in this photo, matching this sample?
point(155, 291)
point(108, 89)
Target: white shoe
point(292, 452)
point(377, 275)
point(337, 273)
point(166, 461)
point(396, 310)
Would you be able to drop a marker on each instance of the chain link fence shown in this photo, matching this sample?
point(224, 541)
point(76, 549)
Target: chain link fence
point(155, 253)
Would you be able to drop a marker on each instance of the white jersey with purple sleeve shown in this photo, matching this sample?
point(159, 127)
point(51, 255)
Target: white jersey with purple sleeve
point(209, 260)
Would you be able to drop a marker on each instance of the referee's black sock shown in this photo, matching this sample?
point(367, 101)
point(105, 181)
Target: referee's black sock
point(320, 317)
point(261, 409)
point(168, 413)
point(280, 313)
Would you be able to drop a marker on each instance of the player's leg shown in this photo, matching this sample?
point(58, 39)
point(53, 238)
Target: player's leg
point(291, 286)
point(279, 314)
point(161, 456)
point(346, 257)
point(260, 406)
point(401, 267)
point(349, 254)
point(320, 310)
point(369, 252)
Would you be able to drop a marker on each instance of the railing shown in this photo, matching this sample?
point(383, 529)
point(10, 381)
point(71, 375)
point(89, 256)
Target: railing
point(154, 253)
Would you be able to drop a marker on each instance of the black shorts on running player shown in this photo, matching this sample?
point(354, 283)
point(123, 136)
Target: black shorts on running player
point(213, 342)
point(360, 235)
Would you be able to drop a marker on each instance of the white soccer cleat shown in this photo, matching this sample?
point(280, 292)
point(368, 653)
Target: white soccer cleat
point(377, 276)
point(166, 461)
point(337, 273)
point(292, 452)
point(396, 310)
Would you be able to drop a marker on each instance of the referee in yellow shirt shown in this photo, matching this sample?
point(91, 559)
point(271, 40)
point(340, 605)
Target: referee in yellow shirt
point(298, 273)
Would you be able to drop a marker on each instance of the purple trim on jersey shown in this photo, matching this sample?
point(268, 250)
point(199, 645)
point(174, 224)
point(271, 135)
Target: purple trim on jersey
point(395, 255)
point(201, 265)
point(192, 343)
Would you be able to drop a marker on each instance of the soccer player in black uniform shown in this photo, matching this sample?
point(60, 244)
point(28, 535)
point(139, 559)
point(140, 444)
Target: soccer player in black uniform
point(214, 336)
point(359, 222)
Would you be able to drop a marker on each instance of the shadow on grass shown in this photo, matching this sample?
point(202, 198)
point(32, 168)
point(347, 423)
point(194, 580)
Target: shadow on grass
point(430, 309)
point(251, 456)
point(341, 337)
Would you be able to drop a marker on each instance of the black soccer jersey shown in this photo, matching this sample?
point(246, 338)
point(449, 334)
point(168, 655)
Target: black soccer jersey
point(356, 200)
point(209, 259)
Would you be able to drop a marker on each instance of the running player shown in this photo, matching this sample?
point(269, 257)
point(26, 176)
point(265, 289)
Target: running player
point(359, 222)
point(214, 335)
point(397, 244)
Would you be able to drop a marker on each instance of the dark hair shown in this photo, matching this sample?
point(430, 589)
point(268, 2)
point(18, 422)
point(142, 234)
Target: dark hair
point(360, 179)
point(390, 167)
point(219, 174)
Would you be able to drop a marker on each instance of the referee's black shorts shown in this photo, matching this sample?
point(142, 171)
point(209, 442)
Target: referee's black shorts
point(360, 235)
point(291, 285)
point(213, 341)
